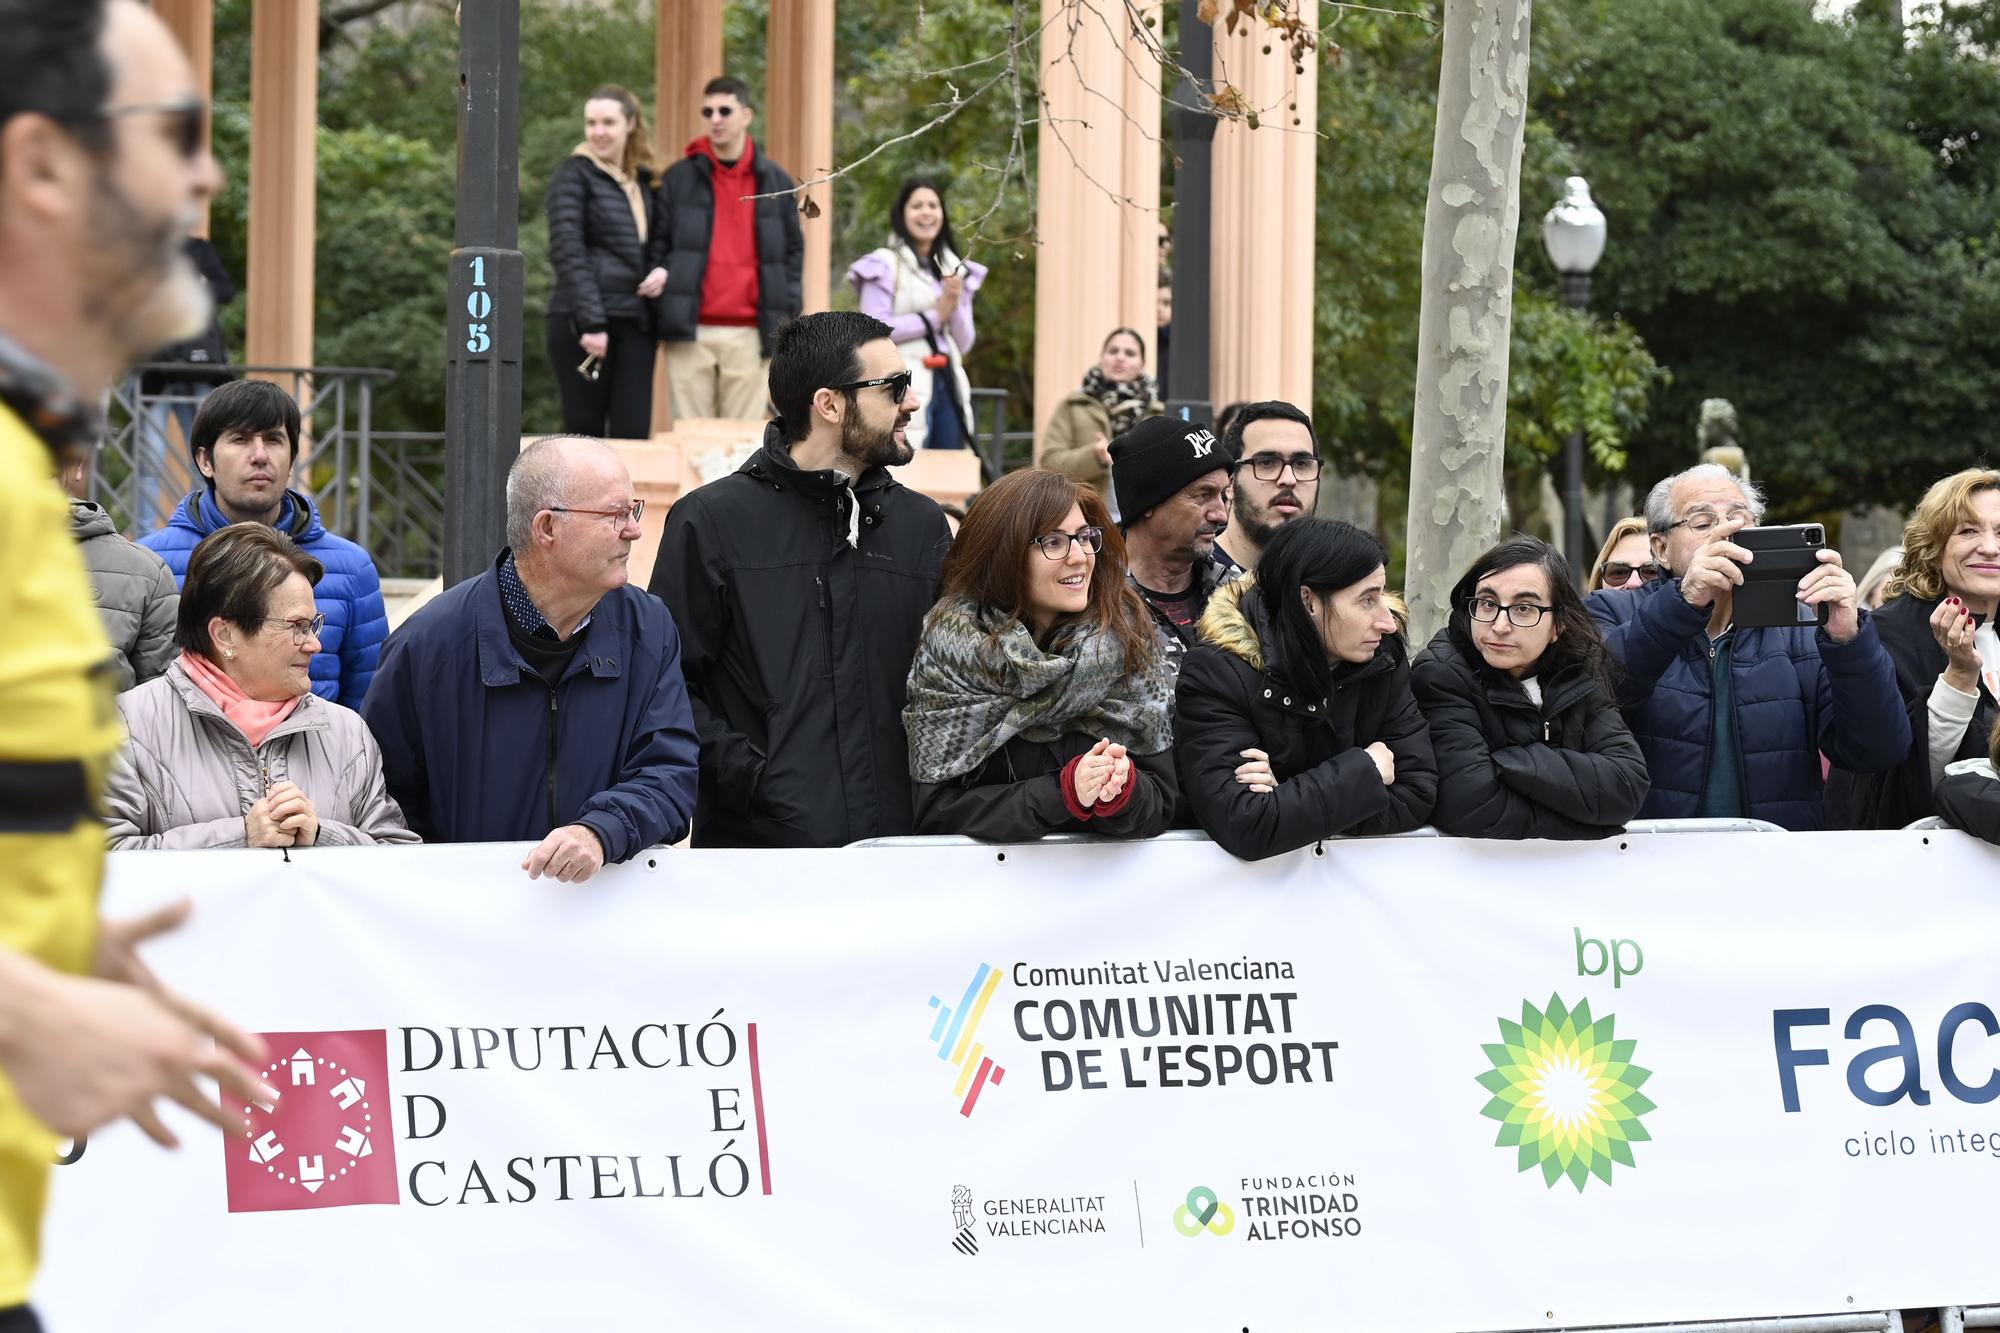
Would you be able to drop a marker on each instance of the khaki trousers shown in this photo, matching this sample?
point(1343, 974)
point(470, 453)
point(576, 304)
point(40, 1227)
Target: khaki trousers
point(722, 373)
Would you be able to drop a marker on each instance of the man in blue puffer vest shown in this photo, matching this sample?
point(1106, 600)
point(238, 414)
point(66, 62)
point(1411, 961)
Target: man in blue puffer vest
point(1733, 721)
point(246, 438)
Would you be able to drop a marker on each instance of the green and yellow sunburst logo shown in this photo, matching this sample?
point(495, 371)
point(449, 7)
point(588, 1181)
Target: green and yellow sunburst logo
point(1566, 1093)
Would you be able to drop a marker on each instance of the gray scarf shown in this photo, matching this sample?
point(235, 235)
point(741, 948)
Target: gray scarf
point(971, 692)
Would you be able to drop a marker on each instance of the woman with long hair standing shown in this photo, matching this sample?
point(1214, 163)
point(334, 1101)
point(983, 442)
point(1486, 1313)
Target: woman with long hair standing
point(922, 288)
point(608, 265)
point(1294, 716)
point(1517, 691)
point(1039, 701)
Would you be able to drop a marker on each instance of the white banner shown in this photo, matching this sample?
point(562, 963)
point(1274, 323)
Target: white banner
point(1410, 1084)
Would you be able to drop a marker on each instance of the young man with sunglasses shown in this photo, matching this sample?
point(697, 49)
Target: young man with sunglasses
point(800, 585)
point(103, 170)
point(735, 261)
point(1276, 481)
point(244, 444)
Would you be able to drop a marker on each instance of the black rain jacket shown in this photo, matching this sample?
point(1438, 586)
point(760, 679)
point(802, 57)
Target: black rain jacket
point(684, 217)
point(594, 247)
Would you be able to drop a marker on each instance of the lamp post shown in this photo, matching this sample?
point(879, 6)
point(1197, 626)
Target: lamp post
point(1573, 234)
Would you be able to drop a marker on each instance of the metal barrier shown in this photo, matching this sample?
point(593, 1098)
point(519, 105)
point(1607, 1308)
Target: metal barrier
point(1926, 824)
point(1874, 1321)
point(1954, 1318)
point(1643, 826)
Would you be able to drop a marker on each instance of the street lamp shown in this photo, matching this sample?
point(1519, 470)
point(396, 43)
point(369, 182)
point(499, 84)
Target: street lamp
point(1573, 234)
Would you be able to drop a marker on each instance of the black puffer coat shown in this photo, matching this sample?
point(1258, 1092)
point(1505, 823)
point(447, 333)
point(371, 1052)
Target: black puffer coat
point(594, 247)
point(797, 646)
point(684, 217)
point(1017, 795)
point(1969, 798)
point(1508, 769)
point(1903, 794)
point(1227, 702)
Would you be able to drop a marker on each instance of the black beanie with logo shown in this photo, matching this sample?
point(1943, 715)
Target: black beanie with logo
point(1156, 458)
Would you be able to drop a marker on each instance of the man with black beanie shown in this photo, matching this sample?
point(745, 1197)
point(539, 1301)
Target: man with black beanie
point(1172, 480)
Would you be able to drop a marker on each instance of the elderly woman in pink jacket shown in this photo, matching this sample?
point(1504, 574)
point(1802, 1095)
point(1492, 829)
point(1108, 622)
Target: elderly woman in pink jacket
point(922, 289)
point(231, 748)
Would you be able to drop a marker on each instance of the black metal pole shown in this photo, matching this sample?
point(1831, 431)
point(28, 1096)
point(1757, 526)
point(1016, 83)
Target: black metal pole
point(1194, 146)
point(1576, 294)
point(483, 314)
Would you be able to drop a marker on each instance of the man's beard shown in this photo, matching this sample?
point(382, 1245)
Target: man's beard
point(868, 447)
point(146, 294)
point(1257, 528)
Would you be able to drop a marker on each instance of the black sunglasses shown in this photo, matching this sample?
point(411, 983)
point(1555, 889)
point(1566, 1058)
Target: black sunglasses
point(898, 385)
point(187, 120)
point(1617, 571)
point(717, 112)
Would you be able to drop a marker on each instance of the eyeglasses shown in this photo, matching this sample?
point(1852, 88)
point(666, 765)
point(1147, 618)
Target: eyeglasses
point(630, 513)
point(1707, 520)
point(1269, 467)
point(1521, 615)
point(187, 117)
point(302, 630)
point(898, 385)
point(717, 112)
point(1055, 545)
point(1617, 571)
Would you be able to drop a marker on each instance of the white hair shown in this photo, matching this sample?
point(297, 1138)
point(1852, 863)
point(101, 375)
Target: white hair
point(540, 479)
point(1659, 500)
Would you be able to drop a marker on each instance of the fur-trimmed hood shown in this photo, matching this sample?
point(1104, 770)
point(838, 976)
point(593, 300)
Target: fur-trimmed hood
point(1236, 628)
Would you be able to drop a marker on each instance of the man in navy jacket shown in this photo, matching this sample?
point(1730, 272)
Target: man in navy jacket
point(1733, 721)
point(544, 698)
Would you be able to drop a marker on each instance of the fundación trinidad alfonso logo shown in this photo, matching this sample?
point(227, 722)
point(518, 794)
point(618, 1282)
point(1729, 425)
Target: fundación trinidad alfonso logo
point(956, 1033)
point(330, 1141)
point(1566, 1093)
point(1203, 1211)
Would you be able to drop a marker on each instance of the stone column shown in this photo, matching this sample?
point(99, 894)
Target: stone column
point(1262, 275)
point(193, 25)
point(284, 110)
point(1097, 197)
point(687, 53)
point(796, 122)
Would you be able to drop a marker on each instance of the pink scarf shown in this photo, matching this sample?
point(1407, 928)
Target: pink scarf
point(255, 718)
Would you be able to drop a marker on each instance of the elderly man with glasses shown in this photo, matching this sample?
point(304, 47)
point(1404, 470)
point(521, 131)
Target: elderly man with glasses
point(801, 582)
point(1734, 721)
point(543, 700)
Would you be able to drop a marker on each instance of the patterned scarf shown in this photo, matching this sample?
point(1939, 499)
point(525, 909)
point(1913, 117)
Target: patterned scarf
point(1125, 402)
point(972, 692)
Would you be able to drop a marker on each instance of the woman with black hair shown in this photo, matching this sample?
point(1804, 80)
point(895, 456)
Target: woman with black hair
point(1294, 720)
point(1517, 693)
point(919, 286)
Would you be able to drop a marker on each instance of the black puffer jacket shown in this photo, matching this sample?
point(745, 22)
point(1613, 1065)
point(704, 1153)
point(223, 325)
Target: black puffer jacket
point(797, 646)
point(594, 246)
point(1903, 794)
point(684, 217)
point(1969, 798)
point(1508, 769)
point(1017, 796)
point(1227, 702)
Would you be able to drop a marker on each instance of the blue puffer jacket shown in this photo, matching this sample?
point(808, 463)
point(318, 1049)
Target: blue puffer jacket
point(477, 748)
point(1798, 694)
point(350, 594)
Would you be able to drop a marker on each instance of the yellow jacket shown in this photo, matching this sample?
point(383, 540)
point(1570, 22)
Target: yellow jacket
point(58, 731)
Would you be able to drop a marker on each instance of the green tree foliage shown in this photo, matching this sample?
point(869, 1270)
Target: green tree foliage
point(1803, 220)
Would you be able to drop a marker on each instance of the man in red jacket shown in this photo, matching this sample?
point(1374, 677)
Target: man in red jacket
point(735, 262)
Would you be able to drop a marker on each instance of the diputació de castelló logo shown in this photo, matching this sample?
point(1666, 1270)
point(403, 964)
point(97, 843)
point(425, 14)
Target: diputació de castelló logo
point(1566, 1093)
point(329, 1141)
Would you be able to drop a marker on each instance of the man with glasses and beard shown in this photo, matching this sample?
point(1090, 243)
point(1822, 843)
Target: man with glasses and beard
point(800, 584)
point(1277, 478)
point(1172, 482)
point(104, 168)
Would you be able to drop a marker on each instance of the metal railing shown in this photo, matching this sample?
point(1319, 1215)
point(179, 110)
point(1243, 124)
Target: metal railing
point(1638, 826)
point(1001, 449)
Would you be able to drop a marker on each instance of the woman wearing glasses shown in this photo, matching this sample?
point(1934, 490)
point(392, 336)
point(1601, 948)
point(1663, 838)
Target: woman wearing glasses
point(1117, 394)
point(1627, 558)
point(1039, 701)
point(917, 284)
point(1516, 690)
point(231, 748)
point(609, 263)
point(1294, 718)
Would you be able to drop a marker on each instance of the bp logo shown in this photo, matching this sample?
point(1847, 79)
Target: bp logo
point(1566, 1093)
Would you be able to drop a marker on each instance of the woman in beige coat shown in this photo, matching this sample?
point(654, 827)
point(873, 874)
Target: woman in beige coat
point(231, 748)
point(1117, 394)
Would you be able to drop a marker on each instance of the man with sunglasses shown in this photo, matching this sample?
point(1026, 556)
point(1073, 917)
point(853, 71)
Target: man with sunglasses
point(800, 585)
point(735, 261)
point(1276, 481)
point(1172, 482)
point(543, 700)
point(1734, 720)
point(103, 171)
